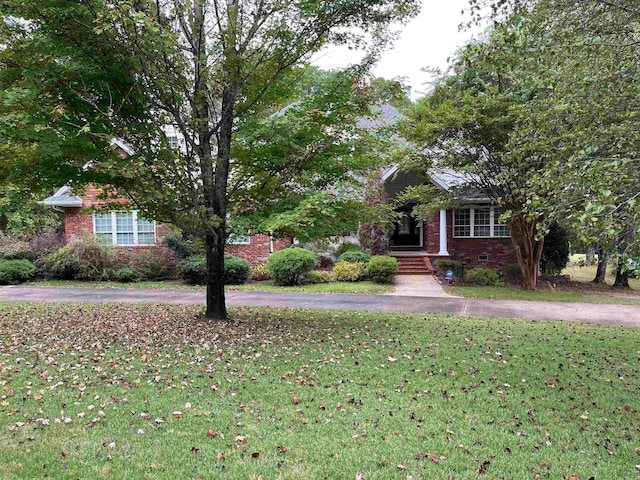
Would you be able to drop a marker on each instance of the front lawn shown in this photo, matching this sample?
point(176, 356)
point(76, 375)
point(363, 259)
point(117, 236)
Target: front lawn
point(362, 288)
point(155, 392)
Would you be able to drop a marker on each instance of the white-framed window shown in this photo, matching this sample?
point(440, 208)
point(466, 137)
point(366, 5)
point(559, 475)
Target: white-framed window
point(480, 221)
point(172, 142)
point(237, 239)
point(124, 228)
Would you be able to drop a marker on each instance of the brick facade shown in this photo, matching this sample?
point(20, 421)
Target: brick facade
point(258, 249)
point(475, 252)
point(79, 221)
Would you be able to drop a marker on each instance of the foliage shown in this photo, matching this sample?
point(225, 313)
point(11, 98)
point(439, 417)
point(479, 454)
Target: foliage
point(178, 245)
point(444, 264)
point(317, 276)
point(372, 235)
point(83, 258)
point(260, 272)
point(22, 216)
point(347, 272)
point(289, 265)
point(13, 272)
point(192, 270)
point(512, 273)
point(157, 263)
point(126, 275)
point(483, 276)
point(347, 247)
point(355, 256)
point(227, 77)
point(382, 268)
point(555, 253)
point(13, 248)
point(236, 270)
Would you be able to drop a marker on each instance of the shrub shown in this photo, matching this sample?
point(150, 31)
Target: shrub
point(347, 272)
point(193, 270)
point(14, 249)
point(83, 258)
point(382, 268)
point(513, 273)
point(155, 264)
point(236, 270)
point(354, 256)
point(45, 244)
point(288, 265)
point(483, 276)
point(317, 276)
point(126, 275)
point(345, 247)
point(444, 264)
point(260, 272)
point(178, 245)
point(325, 260)
point(555, 250)
point(13, 272)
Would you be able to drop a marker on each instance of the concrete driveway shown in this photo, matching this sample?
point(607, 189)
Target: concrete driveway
point(623, 315)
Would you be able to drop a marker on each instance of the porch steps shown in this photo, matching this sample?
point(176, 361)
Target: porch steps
point(414, 265)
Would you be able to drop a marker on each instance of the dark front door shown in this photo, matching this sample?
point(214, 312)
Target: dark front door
point(407, 231)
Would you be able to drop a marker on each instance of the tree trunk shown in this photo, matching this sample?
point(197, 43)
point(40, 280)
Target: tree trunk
point(216, 302)
point(622, 276)
point(591, 253)
point(528, 250)
point(601, 272)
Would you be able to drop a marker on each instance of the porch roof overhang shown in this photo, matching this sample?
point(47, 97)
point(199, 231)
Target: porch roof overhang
point(63, 198)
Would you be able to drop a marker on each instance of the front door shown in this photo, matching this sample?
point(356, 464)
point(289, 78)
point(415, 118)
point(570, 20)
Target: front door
point(407, 231)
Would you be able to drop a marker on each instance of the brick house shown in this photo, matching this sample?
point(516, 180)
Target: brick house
point(471, 234)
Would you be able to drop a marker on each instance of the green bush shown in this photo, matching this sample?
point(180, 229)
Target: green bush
point(13, 272)
point(483, 276)
point(260, 272)
point(444, 264)
point(178, 245)
point(288, 265)
point(382, 268)
point(85, 258)
point(126, 275)
point(347, 247)
point(154, 264)
point(348, 272)
point(513, 273)
point(355, 256)
point(14, 249)
point(193, 270)
point(317, 276)
point(236, 270)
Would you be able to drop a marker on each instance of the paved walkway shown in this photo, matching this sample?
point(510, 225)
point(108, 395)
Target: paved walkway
point(625, 315)
point(418, 286)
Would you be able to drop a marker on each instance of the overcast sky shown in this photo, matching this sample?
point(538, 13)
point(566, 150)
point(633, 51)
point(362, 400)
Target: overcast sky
point(426, 41)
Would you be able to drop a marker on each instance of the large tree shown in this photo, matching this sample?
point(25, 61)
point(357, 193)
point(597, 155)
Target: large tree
point(77, 73)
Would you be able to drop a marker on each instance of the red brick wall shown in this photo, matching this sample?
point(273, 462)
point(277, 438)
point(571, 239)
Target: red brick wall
point(500, 251)
point(79, 221)
point(258, 250)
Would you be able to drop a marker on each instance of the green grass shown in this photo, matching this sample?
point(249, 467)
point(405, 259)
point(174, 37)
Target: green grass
point(362, 288)
point(580, 289)
point(544, 294)
point(93, 391)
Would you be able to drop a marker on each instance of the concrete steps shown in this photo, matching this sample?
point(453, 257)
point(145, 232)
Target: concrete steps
point(414, 265)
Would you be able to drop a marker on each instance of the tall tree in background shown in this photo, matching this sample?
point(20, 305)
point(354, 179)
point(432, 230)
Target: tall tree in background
point(76, 74)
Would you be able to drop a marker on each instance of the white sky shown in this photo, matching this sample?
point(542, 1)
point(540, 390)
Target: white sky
point(426, 41)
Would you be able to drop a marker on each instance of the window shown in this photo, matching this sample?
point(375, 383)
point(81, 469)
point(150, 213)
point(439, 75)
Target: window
point(172, 142)
point(236, 239)
point(124, 228)
point(479, 222)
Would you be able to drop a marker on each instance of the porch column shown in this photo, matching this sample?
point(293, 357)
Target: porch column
point(443, 233)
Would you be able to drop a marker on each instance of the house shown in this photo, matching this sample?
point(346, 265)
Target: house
point(471, 234)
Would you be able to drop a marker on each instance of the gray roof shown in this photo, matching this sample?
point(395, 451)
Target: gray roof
point(63, 198)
